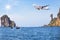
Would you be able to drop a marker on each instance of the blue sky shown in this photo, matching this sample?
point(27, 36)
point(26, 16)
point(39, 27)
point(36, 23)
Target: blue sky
point(24, 14)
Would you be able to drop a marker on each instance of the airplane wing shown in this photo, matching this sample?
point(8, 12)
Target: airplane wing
point(38, 7)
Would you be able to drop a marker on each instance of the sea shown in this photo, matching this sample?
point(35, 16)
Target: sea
point(30, 33)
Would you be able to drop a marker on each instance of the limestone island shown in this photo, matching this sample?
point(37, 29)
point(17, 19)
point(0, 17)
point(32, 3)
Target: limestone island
point(56, 20)
point(7, 22)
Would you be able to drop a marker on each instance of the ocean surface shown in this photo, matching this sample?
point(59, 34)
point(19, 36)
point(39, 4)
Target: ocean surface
point(30, 33)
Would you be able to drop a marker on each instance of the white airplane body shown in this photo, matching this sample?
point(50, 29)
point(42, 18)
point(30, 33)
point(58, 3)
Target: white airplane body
point(38, 7)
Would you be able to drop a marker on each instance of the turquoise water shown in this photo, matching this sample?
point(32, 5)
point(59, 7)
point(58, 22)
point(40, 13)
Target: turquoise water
point(30, 33)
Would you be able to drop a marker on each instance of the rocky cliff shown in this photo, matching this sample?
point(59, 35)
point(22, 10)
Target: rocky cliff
point(6, 22)
point(55, 21)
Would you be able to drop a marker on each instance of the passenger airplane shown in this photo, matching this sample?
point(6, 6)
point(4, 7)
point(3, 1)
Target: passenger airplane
point(38, 7)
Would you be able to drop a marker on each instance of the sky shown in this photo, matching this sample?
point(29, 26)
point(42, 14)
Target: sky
point(25, 15)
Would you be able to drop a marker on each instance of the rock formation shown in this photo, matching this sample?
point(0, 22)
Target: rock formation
point(55, 21)
point(51, 16)
point(6, 22)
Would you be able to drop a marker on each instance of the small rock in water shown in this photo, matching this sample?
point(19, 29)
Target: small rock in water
point(17, 27)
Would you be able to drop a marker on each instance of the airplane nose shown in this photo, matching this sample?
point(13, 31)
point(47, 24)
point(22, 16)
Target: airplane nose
point(46, 7)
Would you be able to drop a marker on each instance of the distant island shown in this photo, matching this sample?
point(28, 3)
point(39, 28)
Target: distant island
point(7, 22)
point(56, 20)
